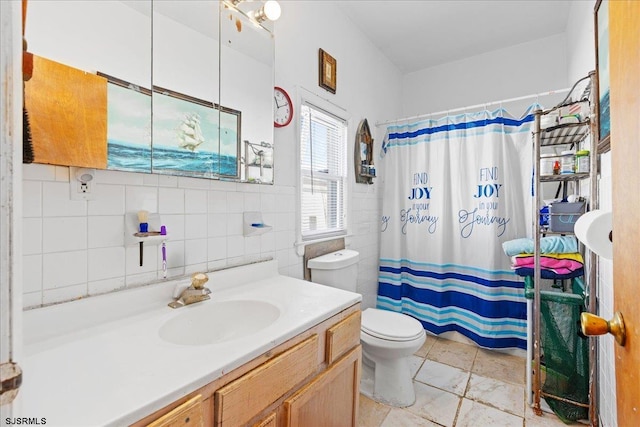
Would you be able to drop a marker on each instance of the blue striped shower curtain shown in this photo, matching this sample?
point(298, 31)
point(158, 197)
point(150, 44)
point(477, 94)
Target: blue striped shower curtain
point(454, 189)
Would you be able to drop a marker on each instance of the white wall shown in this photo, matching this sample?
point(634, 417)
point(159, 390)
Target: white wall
point(581, 52)
point(76, 248)
point(519, 70)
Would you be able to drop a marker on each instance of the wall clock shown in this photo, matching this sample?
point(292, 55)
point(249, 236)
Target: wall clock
point(282, 107)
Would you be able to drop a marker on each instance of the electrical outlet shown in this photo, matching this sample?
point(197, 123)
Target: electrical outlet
point(85, 187)
point(81, 189)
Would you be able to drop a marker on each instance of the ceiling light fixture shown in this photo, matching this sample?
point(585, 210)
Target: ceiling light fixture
point(271, 11)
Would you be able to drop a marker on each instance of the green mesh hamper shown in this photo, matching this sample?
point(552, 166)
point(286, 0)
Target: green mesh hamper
point(566, 354)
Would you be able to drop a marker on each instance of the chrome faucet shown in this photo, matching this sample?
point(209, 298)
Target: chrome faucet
point(196, 292)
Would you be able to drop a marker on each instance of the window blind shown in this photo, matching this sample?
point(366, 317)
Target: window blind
point(323, 166)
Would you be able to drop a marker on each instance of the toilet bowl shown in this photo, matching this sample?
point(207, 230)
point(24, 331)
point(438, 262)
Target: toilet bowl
point(388, 338)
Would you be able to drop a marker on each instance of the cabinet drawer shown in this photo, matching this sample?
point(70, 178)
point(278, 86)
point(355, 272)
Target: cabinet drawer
point(189, 414)
point(343, 336)
point(241, 400)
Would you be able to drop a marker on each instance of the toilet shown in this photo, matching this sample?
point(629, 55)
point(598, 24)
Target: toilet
point(388, 338)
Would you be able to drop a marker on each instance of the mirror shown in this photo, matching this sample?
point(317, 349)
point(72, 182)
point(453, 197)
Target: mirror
point(186, 119)
point(211, 102)
point(246, 85)
point(72, 41)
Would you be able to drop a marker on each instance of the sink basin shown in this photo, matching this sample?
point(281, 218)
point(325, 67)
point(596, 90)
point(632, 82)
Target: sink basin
point(215, 322)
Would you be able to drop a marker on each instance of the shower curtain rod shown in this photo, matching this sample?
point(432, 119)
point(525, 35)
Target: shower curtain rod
point(484, 104)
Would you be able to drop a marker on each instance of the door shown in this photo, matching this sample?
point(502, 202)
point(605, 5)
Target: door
point(10, 203)
point(624, 44)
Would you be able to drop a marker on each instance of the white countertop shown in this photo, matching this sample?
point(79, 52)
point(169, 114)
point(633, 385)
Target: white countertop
point(100, 361)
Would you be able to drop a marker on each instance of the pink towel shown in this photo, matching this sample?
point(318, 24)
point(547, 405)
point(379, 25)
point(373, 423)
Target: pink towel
point(555, 264)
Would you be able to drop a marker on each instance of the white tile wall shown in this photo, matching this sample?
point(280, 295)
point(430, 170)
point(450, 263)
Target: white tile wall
point(109, 200)
point(195, 201)
point(64, 234)
point(365, 223)
point(32, 199)
point(32, 274)
point(73, 249)
point(606, 344)
point(32, 236)
point(105, 231)
point(63, 269)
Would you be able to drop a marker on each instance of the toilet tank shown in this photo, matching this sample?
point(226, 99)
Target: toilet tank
point(336, 269)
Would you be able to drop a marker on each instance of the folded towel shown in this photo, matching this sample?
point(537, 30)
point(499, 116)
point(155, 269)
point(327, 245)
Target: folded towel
point(547, 262)
point(548, 274)
point(572, 256)
point(548, 245)
point(556, 270)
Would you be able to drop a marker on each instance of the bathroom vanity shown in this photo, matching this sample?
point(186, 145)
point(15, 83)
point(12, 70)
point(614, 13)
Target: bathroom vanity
point(123, 359)
point(311, 379)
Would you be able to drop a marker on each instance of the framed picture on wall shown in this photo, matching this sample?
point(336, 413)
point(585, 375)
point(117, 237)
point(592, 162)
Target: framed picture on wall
point(601, 25)
point(327, 71)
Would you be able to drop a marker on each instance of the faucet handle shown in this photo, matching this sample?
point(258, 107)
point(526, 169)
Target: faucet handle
point(198, 280)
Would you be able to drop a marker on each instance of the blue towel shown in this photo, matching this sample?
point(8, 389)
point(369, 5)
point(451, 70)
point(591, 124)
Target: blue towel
point(548, 245)
point(548, 274)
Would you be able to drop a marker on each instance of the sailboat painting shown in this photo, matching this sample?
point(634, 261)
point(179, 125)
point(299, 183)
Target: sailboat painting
point(128, 129)
point(189, 133)
point(186, 138)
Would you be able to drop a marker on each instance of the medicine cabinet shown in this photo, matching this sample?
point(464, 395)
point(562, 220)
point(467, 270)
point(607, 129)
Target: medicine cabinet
point(189, 87)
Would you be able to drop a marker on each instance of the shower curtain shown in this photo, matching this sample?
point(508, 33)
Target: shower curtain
point(454, 189)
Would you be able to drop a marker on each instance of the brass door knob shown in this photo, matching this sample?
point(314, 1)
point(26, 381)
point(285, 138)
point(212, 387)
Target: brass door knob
point(595, 325)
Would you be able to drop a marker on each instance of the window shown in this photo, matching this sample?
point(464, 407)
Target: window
point(323, 168)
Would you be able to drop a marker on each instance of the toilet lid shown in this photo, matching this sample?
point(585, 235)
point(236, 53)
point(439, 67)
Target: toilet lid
point(390, 325)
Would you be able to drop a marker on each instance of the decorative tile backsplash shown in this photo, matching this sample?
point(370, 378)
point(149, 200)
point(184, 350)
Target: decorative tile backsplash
point(72, 249)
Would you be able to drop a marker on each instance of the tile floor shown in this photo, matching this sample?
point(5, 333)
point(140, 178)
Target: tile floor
point(459, 385)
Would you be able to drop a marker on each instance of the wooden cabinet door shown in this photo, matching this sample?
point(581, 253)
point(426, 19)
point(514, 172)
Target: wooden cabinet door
point(331, 399)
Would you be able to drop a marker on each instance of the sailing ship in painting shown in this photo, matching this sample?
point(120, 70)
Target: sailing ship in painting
point(189, 133)
point(186, 138)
